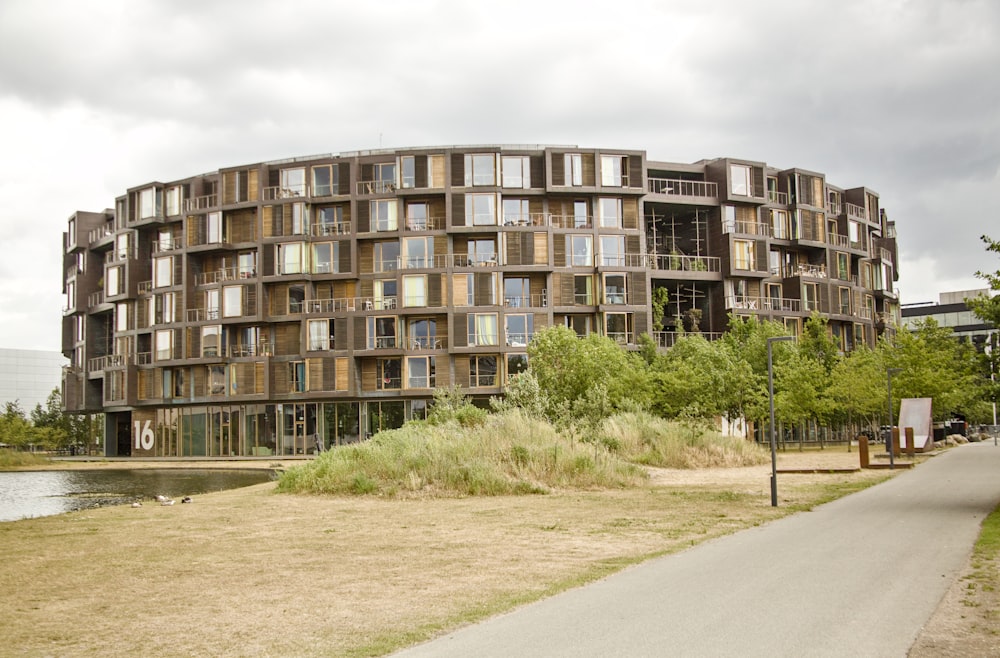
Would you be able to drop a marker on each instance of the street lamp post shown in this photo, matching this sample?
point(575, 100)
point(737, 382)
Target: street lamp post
point(888, 439)
point(770, 399)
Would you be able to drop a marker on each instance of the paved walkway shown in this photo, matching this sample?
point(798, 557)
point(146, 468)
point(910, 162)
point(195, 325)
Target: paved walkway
point(856, 577)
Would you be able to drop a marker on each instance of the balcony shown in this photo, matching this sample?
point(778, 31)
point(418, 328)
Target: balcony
point(681, 263)
point(885, 255)
point(518, 339)
point(329, 228)
point(855, 211)
point(100, 234)
point(145, 287)
point(667, 339)
point(168, 244)
point(527, 219)
point(95, 299)
point(678, 187)
point(808, 270)
point(260, 349)
point(834, 208)
point(224, 274)
point(425, 343)
point(771, 304)
point(343, 304)
point(529, 301)
point(776, 197)
point(571, 221)
point(107, 362)
point(747, 228)
point(370, 187)
point(433, 223)
point(200, 202)
point(278, 192)
point(201, 314)
point(837, 240)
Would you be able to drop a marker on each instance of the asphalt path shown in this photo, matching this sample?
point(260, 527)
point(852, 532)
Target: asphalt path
point(856, 577)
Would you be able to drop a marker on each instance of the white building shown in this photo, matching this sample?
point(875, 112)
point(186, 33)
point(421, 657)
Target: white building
point(29, 376)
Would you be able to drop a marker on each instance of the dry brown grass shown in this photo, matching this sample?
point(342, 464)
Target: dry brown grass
point(252, 573)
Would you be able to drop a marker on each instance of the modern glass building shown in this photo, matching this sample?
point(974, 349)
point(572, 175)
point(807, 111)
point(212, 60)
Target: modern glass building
point(269, 308)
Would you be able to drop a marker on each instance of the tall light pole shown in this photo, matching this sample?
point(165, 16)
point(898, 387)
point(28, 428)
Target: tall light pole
point(888, 440)
point(770, 399)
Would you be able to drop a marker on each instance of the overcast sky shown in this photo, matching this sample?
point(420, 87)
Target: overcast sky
point(95, 97)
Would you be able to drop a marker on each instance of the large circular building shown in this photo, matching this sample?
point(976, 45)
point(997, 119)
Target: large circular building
point(273, 308)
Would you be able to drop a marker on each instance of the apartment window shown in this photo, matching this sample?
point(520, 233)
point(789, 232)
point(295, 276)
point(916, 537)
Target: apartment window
point(581, 324)
point(859, 334)
point(792, 326)
point(297, 376)
point(613, 250)
point(482, 252)
point(843, 267)
point(293, 182)
point(173, 201)
point(482, 329)
point(300, 225)
point(482, 371)
point(408, 172)
point(290, 257)
point(810, 297)
point(418, 252)
point(779, 224)
point(212, 304)
point(516, 171)
point(217, 380)
point(246, 263)
point(480, 169)
point(213, 228)
point(416, 216)
point(854, 233)
point(113, 284)
point(211, 341)
point(386, 291)
point(325, 257)
point(165, 307)
point(71, 235)
point(581, 250)
point(420, 372)
point(386, 256)
point(574, 169)
point(583, 288)
point(164, 339)
point(422, 333)
point(845, 300)
point(739, 180)
point(612, 169)
point(743, 254)
point(480, 209)
point(382, 332)
point(320, 334)
point(515, 212)
point(618, 327)
point(580, 216)
point(329, 221)
point(323, 180)
point(149, 202)
point(516, 292)
point(232, 301)
point(614, 289)
point(414, 291)
point(516, 364)
point(163, 272)
point(519, 329)
point(611, 212)
point(121, 246)
point(389, 373)
point(728, 219)
point(383, 214)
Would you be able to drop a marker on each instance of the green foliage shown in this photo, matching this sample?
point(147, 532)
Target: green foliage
point(522, 392)
point(11, 459)
point(818, 344)
point(661, 297)
point(988, 307)
point(800, 385)
point(450, 404)
point(857, 386)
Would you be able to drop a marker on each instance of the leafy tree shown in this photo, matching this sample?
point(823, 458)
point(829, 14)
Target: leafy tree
point(800, 389)
point(661, 297)
point(857, 389)
point(818, 344)
point(988, 307)
point(15, 430)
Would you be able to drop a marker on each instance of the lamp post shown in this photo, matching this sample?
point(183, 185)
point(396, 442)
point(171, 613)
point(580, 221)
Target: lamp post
point(888, 439)
point(770, 400)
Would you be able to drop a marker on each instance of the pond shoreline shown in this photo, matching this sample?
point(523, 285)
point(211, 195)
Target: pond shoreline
point(130, 463)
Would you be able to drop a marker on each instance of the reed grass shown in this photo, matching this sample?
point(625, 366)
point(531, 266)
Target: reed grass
point(13, 459)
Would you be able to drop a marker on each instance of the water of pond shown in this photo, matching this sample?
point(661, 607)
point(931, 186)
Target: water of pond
point(44, 493)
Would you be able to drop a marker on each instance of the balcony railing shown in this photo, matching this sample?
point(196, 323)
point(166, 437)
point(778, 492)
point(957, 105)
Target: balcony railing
point(200, 202)
point(855, 211)
point(622, 337)
point(107, 362)
point(815, 271)
point(780, 198)
point(100, 233)
point(169, 244)
point(528, 301)
point(677, 187)
point(571, 221)
point(834, 207)
point(667, 339)
point(773, 304)
point(425, 343)
point(225, 274)
point(376, 187)
point(143, 358)
point(885, 255)
point(145, 287)
point(838, 240)
point(260, 349)
point(747, 228)
point(343, 304)
point(433, 223)
point(95, 299)
point(680, 263)
point(201, 314)
point(519, 338)
point(526, 219)
point(329, 228)
point(279, 192)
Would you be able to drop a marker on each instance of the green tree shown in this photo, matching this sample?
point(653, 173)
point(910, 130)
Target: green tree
point(15, 429)
point(857, 390)
point(985, 306)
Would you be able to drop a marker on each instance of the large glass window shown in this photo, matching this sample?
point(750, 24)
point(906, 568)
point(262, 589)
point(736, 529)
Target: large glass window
point(480, 169)
point(329, 221)
point(232, 301)
point(573, 163)
point(408, 173)
point(383, 214)
point(121, 317)
point(324, 257)
point(482, 329)
point(211, 337)
point(614, 289)
point(516, 291)
point(480, 209)
point(322, 184)
point(583, 289)
point(743, 254)
point(212, 304)
point(611, 213)
point(113, 285)
point(164, 344)
point(516, 364)
point(618, 327)
point(382, 332)
point(416, 216)
point(482, 252)
point(173, 201)
point(386, 291)
point(320, 334)
point(422, 334)
point(482, 370)
point(739, 180)
point(386, 256)
point(163, 272)
point(582, 250)
point(293, 182)
point(213, 228)
point(611, 170)
point(418, 252)
point(290, 257)
point(810, 297)
point(613, 250)
point(515, 212)
point(420, 372)
point(149, 202)
point(389, 373)
point(519, 329)
point(581, 218)
point(843, 266)
point(414, 291)
point(779, 224)
point(516, 171)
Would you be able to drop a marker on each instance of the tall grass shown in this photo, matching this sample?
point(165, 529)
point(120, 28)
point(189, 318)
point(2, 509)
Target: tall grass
point(645, 439)
point(10, 459)
point(508, 454)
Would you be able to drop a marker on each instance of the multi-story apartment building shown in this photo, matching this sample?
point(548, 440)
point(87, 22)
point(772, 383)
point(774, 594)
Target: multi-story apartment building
point(256, 309)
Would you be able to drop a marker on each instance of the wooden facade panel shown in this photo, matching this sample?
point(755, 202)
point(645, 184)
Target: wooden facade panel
point(559, 249)
point(457, 170)
point(460, 290)
point(462, 371)
point(343, 365)
point(460, 333)
point(287, 339)
point(540, 248)
point(630, 213)
point(368, 375)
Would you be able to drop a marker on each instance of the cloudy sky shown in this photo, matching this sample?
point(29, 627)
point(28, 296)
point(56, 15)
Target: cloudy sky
point(902, 96)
